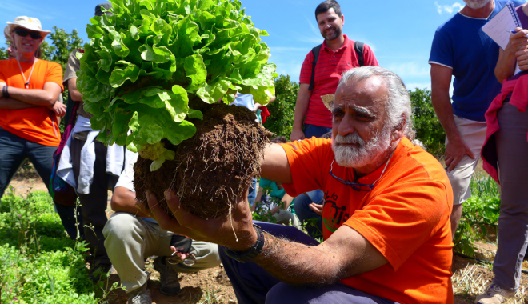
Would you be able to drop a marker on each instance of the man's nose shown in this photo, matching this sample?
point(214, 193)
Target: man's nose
point(345, 126)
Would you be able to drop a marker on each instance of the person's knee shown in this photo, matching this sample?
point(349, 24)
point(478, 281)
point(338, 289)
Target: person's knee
point(206, 254)
point(301, 204)
point(119, 225)
point(283, 293)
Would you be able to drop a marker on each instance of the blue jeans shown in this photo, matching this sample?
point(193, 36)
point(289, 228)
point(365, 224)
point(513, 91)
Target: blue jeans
point(315, 131)
point(253, 285)
point(13, 151)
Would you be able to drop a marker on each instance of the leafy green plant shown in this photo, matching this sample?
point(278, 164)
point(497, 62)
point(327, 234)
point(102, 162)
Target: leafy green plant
point(149, 59)
point(38, 263)
point(480, 214)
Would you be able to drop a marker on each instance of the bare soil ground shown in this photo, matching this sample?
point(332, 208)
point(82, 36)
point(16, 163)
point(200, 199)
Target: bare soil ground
point(212, 286)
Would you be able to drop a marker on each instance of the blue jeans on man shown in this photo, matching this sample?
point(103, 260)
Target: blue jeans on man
point(312, 220)
point(253, 285)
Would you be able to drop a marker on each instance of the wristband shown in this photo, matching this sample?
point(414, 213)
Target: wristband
point(248, 255)
point(5, 93)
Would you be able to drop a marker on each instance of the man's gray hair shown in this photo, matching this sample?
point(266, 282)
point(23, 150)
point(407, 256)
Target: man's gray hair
point(398, 104)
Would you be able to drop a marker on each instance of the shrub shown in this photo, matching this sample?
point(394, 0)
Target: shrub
point(428, 128)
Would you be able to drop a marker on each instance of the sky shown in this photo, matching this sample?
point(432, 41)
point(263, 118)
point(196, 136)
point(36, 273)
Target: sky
point(399, 32)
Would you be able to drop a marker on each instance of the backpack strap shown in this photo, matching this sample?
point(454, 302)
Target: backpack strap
point(316, 51)
point(358, 46)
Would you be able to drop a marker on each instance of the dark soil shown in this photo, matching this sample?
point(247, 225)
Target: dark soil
point(212, 170)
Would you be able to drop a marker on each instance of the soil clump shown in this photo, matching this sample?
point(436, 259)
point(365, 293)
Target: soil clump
point(212, 170)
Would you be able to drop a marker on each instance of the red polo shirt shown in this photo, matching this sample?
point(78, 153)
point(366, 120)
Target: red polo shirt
point(328, 71)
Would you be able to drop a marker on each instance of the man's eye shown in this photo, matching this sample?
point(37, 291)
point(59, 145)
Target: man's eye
point(365, 118)
point(337, 113)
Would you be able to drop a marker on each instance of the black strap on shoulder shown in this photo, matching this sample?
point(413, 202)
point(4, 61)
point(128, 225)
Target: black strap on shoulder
point(358, 46)
point(316, 51)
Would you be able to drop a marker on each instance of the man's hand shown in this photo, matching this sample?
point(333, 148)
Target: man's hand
point(315, 207)
point(455, 150)
point(297, 134)
point(235, 230)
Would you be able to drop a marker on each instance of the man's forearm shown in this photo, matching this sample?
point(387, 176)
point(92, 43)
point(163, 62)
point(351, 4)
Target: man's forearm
point(294, 263)
point(300, 108)
point(442, 107)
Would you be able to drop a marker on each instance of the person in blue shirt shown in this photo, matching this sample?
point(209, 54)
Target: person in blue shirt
point(462, 51)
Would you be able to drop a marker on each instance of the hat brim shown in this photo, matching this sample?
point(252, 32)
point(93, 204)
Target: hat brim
point(13, 25)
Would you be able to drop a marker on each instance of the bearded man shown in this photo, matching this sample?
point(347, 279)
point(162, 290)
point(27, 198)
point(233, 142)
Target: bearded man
point(386, 227)
point(320, 74)
point(461, 49)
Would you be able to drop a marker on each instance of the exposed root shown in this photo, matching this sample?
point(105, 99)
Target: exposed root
point(212, 169)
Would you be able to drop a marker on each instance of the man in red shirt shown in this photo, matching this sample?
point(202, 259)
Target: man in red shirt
point(311, 117)
point(387, 235)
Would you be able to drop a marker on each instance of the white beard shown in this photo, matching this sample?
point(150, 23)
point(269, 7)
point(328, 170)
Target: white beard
point(364, 153)
point(476, 4)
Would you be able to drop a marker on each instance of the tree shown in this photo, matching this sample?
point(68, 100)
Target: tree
point(3, 53)
point(62, 45)
point(282, 109)
point(428, 128)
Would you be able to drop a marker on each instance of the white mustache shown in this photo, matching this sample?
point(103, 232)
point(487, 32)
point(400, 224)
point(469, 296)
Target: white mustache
point(352, 138)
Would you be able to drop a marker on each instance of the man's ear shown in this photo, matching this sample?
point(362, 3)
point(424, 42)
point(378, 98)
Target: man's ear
point(397, 134)
point(400, 129)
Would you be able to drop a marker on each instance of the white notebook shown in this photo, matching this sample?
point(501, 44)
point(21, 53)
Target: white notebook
point(501, 25)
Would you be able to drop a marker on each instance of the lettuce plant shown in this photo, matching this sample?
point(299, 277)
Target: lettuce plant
point(148, 59)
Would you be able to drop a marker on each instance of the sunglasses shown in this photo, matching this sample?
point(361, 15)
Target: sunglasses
point(24, 33)
point(356, 185)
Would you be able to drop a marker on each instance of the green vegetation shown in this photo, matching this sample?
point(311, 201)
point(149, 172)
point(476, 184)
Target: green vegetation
point(428, 129)
point(38, 263)
point(281, 119)
point(480, 214)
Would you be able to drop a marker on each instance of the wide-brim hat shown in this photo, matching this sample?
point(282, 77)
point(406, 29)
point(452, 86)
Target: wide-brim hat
point(32, 24)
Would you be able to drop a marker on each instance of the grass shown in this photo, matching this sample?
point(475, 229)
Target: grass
point(38, 263)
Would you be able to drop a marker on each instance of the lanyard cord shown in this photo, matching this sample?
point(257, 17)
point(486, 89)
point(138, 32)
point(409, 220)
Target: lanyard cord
point(26, 81)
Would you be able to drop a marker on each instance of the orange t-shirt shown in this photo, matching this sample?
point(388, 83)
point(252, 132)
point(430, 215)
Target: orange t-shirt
point(35, 124)
point(405, 217)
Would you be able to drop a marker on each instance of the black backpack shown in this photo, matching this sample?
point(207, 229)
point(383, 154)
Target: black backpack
point(357, 45)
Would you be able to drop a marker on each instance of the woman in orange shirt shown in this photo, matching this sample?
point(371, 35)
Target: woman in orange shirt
point(29, 109)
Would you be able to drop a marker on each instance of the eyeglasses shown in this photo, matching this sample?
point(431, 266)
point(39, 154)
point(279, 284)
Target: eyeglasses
point(356, 185)
point(24, 33)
